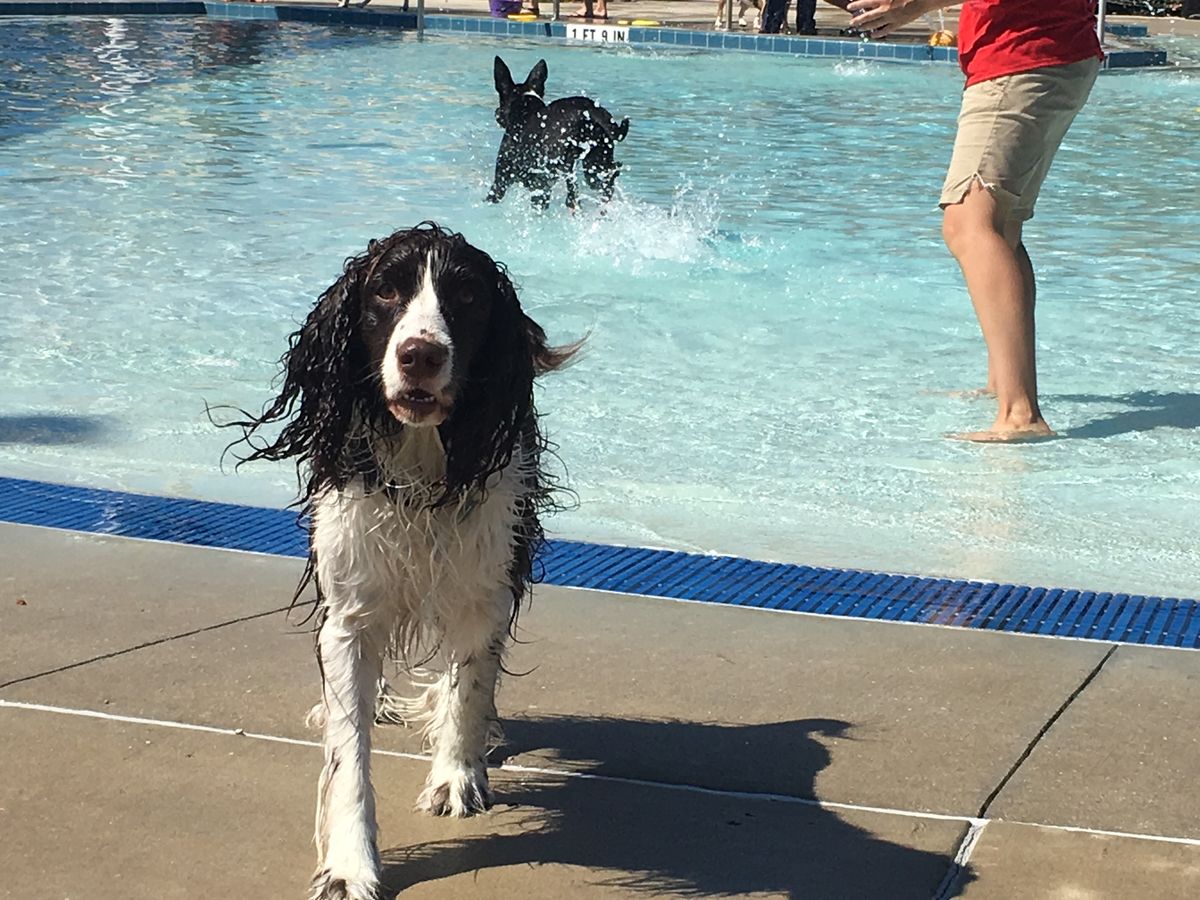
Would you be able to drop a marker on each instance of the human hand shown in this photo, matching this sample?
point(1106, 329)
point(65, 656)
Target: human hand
point(881, 17)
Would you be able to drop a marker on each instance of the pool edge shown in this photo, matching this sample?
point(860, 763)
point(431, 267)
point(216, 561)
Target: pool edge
point(724, 580)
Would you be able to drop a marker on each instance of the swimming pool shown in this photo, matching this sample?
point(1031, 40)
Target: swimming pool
point(771, 313)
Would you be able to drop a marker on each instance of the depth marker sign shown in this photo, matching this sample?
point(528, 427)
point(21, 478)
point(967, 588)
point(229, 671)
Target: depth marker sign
point(598, 34)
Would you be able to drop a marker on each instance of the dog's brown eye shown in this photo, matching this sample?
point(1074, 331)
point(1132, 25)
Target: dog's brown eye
point(388, 292)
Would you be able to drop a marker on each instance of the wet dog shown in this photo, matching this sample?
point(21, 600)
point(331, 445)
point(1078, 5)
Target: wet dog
point(408, 404)
point(547, 143)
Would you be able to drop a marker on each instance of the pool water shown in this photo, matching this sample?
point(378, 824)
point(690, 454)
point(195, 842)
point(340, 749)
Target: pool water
point(772, 319)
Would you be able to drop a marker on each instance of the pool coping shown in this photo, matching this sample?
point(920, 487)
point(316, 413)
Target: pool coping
point(1116, 58)
point(727, 580)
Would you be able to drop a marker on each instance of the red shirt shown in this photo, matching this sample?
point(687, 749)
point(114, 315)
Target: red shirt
point(1003, 37)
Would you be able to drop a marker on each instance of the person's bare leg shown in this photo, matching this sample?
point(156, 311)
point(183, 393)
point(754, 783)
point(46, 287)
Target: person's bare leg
point(1012, 233)
point(1000, 281)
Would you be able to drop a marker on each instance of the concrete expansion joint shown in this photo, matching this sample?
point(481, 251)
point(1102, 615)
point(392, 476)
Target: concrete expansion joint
point(951, 882)
point(1088, 679)
point(146, 644)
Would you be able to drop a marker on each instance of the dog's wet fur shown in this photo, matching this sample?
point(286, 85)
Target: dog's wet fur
point(544, 143)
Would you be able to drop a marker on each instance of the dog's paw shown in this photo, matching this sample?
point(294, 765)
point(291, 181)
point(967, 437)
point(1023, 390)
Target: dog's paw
point(327, 886)
point(457, 792)
point(316, 717)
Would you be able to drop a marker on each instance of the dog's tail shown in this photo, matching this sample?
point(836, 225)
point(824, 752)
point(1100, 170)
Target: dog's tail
point(612, 130)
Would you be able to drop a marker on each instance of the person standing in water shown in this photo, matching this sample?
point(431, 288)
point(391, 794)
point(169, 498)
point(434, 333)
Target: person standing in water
point(1030, 66)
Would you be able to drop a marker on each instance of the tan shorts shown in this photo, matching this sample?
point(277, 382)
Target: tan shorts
point(1009, 129)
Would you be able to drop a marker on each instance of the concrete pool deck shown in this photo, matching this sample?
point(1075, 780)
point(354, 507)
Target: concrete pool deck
point(831, 21)
point(152, 698)
point(701, 14)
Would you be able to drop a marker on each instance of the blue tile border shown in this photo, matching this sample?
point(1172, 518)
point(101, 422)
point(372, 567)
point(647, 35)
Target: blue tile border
point(1134, 59)
point(1121, 29)
point(682, 37)
point(103, 8)
point(730, 581)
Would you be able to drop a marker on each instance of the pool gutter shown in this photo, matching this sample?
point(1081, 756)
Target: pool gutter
point(1111, 617)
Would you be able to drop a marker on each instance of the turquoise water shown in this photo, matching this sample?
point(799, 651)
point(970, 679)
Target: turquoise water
point(771, 314)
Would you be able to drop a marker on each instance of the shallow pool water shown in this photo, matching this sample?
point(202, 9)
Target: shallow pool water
point(772, 319)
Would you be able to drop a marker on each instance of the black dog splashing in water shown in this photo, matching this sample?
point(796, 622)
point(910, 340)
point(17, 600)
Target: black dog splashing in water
point(544, 143)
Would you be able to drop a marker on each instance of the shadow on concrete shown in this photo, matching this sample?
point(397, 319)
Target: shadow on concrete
point(1147, 411)
point(50, 429)
point(643, 840)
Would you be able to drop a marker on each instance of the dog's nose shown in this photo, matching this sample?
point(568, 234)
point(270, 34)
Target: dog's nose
point(420, 358)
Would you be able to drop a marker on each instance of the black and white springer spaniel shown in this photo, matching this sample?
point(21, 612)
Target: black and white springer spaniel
point(408, 406)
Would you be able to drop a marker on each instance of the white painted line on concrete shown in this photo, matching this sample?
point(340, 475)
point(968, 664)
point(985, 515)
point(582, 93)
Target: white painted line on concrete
point(1100, 832)
point(976, 825)
point(527, 770)
point(839, 617)
point(160, 723)
point(740, 795)
point(166, 542)
point(710, 603)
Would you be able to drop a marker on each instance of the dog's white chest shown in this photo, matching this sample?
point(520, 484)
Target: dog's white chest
point(384, 547)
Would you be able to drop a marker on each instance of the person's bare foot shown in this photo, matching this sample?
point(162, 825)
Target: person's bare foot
point(971, 394)
point(974, 393)
point(1025, 434)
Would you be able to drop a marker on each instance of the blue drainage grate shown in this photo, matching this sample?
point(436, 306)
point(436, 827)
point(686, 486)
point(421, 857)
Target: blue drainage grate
point(1157, 621)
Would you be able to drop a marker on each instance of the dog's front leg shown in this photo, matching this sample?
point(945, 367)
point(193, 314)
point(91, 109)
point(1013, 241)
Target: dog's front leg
point(351, 656)
point(496, 194)
point(502, 180)
point(463, 715)
point(572, 191)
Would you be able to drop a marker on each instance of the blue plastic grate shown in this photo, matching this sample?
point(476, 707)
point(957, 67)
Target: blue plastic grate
point(1157, 621)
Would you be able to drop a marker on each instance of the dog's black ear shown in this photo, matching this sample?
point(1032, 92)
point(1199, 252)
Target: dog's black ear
point(536, 81)
point(496, 406)
point(504, 79)
point(621, 130)
point(324, 387)
point(497, 398)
